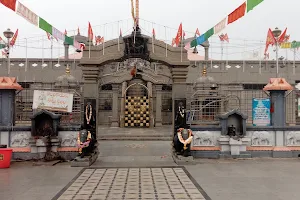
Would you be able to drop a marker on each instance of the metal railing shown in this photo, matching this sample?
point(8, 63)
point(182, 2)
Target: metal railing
point(24, 101)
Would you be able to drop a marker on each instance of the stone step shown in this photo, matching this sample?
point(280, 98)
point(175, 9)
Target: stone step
point(142, 138)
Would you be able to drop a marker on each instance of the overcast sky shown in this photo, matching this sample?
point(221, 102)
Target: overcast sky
point(202, 14)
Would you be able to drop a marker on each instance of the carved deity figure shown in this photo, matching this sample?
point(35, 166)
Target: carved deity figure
point(180, 118)
point(182, 141)
point(84, 142)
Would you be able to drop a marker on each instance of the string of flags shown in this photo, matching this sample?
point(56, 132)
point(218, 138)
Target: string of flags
point(38, 21)
point(238, 13)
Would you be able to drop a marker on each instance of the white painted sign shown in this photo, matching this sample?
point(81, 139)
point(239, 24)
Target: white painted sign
point(55, 101)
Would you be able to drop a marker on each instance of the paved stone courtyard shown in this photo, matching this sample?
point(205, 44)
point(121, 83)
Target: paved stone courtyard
point(132, 183)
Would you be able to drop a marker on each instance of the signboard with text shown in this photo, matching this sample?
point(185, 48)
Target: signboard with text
point(54, 101)
point(261, 115)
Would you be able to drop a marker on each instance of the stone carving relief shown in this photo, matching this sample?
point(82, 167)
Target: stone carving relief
point(203, 138)
point(293, 138)
point(20, 139)
point(68, 139)
point(261, 138)
point(120, 71)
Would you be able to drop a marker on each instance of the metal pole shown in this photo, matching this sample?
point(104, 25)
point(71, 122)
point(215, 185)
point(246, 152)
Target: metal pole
point(8, 57)
point(277, 63)
point(294, 62)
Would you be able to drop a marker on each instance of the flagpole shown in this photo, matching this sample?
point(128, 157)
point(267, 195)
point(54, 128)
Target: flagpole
point(181, 44)
point(222, 49)
point(294, 62)
point(244, 52)
point(42, 51)
point(26, 59)
point(119, 36)
point(260, 57)
point(74, 42)
point(90, 47)
point(103, 44)
point(51, 47)
point(152, 39)
point(166, 41)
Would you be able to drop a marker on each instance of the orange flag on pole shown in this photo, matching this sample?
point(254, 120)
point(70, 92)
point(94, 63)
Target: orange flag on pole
point(270, 40)
point(90, 32)
point(179, 35)
point(14, 38)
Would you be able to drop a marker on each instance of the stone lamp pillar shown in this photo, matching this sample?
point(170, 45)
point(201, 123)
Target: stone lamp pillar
point(8, 87)
point(277, 88)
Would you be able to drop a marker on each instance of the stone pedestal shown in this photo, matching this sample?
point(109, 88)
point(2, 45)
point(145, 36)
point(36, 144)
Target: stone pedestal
point(278, 104)
point(231, 147)
point(277, 88)
point(85, 161)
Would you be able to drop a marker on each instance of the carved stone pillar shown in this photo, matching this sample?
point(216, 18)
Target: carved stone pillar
point(149, 86)
point(115, 116)
point(206, 57)
point(158, 118)
point(122, 120)
point(90, 75)
point(179, 87)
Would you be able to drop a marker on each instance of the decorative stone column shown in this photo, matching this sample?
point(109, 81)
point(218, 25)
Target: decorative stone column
point(122, 120)
point(115, 116)
point(90, 75)
point(158, 118)
point(179, 87)
point(149, 86)
point(277, 88)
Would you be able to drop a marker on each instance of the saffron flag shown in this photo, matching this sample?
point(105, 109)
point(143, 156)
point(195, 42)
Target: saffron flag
point(27, 14)
point(48, 36)
point(282, 37)
point(14, 38)
point(252, 3)
point(237, 13)
point(44, 25)
point(208, 34)
point(153, 32)
point(90, 32)
point(179, 35)
point(220, 26)
point(11, 4)
point(270, 40)
point(198, 32)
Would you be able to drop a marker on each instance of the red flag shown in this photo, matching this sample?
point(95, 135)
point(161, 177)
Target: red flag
point(237, 13)
point(133, 71)
point(198, 32)
point(78, 31)
point(90, 32)
point(281, 39)
point(173, 41)
point(14, 38)
point(66, 32)
point(48, 36)
point(153, 32)
point(270, 40)
point(179, 35)
point(11, 4)
point(82, 46)
point(224, 37)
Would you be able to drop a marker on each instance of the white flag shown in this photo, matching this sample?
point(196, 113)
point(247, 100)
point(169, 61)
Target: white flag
point(27, 14)
point(57, 34)
point(220, 26)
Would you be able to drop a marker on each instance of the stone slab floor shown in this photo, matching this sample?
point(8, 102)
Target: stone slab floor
point(253, 179)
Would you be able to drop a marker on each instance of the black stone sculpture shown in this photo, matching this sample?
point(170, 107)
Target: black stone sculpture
point(85, 142)
point(182, 141)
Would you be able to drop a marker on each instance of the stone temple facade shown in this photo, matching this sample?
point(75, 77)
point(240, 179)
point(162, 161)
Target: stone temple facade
point(136, 80)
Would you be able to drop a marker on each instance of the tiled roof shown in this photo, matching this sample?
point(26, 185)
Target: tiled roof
point(277, 84)
point(9, 83)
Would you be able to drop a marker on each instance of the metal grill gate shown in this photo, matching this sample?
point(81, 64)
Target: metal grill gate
point(137, 111)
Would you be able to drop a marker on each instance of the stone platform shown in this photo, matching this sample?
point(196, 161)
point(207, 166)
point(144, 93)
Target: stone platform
point(132, 183)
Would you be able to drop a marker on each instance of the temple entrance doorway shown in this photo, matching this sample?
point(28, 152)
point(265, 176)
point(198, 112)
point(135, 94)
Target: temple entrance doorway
point(137, 105)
